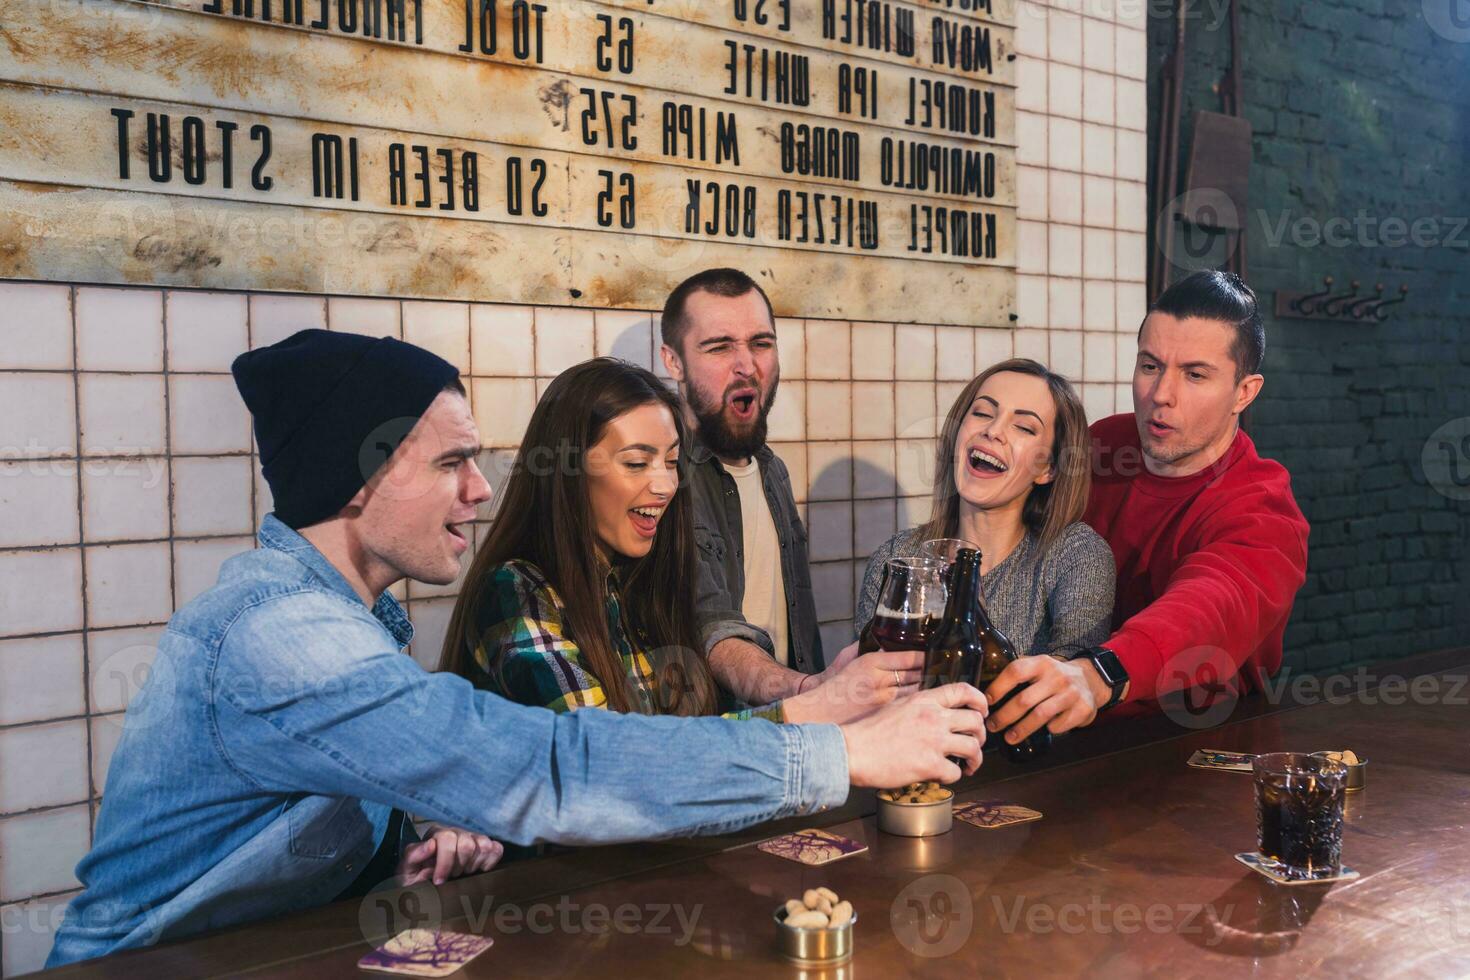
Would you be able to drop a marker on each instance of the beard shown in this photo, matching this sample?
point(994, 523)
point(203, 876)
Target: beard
point(724, 438)
point(1169, 453)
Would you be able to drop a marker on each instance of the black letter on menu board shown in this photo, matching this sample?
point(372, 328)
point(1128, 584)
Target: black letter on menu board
point(538, 206)
point(514, 202)
point(227, 150)
point(262, 135)
point(447, 178)
point(160, 148)
point(488, 26)
point(470, 164)
point(397, 183)
point(326, 165)
point(422, 176)
point(193, 147)
point(123, 115)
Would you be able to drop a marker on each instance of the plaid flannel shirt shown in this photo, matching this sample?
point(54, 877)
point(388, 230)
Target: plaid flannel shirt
point(523, 652)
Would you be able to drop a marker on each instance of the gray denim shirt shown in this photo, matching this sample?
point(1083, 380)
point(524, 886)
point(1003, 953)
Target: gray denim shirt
point(721, 538)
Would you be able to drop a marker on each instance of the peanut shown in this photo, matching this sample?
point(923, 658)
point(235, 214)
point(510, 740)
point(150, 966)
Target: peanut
point(807, 920)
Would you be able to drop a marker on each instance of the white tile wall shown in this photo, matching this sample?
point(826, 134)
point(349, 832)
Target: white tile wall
point(625, 335)
point(206, 330)
point(44, 679)
point(43, 765)
point(125, 498)
point(119, 330)
point(166, 486)
point(443, 328)
point(39, 502)
point(29, 927)
point(36, 332)
point(38, 417)
point(41, 849)
point(1081, 245)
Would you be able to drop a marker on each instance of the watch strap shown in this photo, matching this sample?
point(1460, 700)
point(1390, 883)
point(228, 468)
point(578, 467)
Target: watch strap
point(1110, 669)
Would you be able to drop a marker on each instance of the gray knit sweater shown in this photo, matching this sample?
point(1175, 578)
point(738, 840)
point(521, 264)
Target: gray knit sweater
point(1042, 601)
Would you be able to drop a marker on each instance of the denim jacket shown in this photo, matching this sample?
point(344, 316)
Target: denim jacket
point(281, 724)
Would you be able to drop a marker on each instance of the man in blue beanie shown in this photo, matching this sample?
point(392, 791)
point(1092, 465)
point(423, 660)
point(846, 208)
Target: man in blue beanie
point(268, 762)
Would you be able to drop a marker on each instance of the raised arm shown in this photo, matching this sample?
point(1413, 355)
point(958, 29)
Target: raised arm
point(1224, 599)
point(1232, 592)
point(352, 718)
point(355, 719)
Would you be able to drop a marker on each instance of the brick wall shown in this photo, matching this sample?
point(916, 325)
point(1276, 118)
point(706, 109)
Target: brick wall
point(1361, 113)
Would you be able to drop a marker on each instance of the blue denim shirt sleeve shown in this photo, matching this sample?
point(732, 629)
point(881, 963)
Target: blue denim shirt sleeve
point(354, 717)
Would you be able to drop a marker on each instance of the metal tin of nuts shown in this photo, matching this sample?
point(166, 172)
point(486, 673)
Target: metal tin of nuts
point(916, 819)
point(1357, 776)
point(815, 945)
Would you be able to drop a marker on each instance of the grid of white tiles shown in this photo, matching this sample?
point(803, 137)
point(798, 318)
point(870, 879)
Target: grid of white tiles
point(127, 473)
point(1081, 125)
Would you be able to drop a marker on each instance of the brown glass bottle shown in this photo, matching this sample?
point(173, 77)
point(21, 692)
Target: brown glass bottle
point(968, 647)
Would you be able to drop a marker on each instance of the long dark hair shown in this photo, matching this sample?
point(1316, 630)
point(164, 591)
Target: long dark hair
point(545, 518)
point(1050, 507)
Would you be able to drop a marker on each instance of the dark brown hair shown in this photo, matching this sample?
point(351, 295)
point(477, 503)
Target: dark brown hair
point(545, 518)
point(729, 283)
point(1050, 507)
point(1214, 295)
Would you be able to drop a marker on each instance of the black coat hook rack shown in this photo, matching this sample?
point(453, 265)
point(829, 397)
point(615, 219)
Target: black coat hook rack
point(1339, 307)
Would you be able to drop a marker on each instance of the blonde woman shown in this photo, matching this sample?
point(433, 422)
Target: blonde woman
point(1012, 478)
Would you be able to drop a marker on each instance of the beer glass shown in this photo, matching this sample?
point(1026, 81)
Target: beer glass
point(944, 549)
point(910, 602)
point(1299, 801)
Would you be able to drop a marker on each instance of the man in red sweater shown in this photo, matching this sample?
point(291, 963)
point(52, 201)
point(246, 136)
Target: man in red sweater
point(1210, 545)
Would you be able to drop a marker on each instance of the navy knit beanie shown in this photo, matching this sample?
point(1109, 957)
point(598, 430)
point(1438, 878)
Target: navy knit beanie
point(329, 409)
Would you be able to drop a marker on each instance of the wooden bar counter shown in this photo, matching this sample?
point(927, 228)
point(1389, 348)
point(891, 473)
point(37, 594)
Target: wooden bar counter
point(1130, 873)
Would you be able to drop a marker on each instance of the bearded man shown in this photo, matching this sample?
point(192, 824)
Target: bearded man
point(758, 617)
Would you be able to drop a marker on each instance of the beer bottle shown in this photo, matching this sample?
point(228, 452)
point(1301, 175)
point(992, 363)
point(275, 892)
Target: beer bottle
point(968, 647)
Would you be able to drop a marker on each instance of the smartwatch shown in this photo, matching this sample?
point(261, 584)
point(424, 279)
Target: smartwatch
point(1110, 668)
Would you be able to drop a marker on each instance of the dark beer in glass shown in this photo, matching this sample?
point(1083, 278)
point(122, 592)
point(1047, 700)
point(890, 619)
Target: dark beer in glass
point(909, 602)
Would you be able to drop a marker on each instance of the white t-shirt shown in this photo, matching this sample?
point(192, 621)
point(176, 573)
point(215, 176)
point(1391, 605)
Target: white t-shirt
point(765, 590)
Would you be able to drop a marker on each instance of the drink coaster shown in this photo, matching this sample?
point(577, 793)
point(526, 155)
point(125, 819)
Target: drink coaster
point(1253, 861)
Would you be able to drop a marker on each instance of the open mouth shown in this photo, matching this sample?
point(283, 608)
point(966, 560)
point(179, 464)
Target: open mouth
point(645, 520)
point(744, 403)
point(1157, 428)
point(984, 464)
point(462, 541)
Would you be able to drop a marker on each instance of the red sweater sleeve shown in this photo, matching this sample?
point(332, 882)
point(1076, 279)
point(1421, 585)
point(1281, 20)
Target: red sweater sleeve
point(1223, 601)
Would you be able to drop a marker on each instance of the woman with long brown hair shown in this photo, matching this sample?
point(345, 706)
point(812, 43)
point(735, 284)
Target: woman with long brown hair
point(583, 594)
point(1011, 478)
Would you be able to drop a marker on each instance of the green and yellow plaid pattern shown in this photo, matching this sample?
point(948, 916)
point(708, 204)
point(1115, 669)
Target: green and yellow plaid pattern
point(535, 662)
